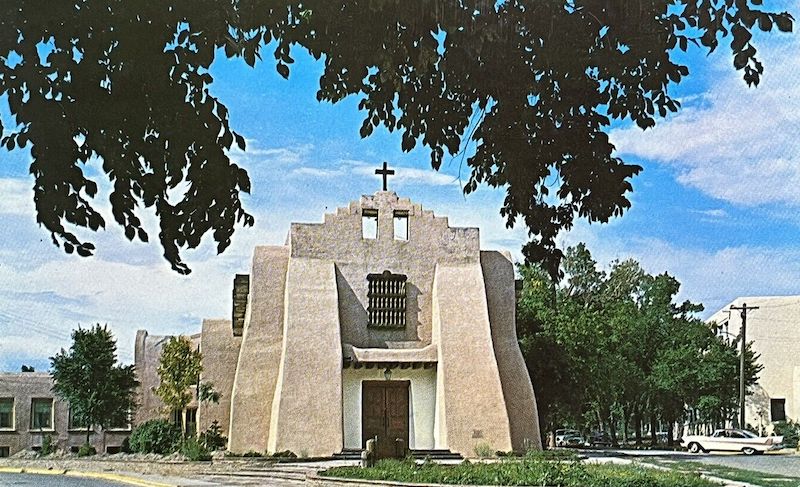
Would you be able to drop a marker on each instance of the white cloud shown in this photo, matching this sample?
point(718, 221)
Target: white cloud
point(714, 213)
point(734, 143)
point(17, 197)
point(710, 277)
point(283, 156)
point(405, 175)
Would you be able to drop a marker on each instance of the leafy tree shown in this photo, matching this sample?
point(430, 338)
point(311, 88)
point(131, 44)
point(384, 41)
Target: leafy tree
point(98, 389)
point(179, 368)
point(614, 350)
point(533, 86)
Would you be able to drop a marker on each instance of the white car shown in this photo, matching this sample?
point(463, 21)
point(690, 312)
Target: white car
point(731, 440)
point(562, 435)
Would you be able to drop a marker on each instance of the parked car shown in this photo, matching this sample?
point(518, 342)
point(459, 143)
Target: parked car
point(574, 440)
point(563, 434)
point(598, 438)
point(744, 441)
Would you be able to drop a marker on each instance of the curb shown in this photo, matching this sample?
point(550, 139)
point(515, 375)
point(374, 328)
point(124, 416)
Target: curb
point(114, 477)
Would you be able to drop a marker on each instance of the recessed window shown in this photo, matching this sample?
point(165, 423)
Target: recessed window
point(121, 423)
point(777, 409)
point(75, 423)
point(7, 413)
point(5, 451)
point(41, 414)
point(191, 421)
point(386, 293)
point(369, 224)
point(401, 225)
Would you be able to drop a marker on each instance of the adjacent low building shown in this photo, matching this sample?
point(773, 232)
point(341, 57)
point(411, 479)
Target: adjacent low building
point(774, 329)
point(29, 411)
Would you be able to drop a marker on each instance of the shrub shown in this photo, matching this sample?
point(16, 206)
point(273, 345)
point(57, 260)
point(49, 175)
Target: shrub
point(284, 454)
point(155, 436)
point(252, 453)
point(212, 438)
point(86, 450)
point(126, 445)
point(790, 432)
point(484, 450)
point(194, 451)
point(47, 446)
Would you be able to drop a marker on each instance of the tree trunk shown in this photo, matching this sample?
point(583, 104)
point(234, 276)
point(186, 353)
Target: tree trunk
point(88, 432)
point(625, 420)
point(637, 424)
point(612, 429)
point(670, 435)
point(653, 429)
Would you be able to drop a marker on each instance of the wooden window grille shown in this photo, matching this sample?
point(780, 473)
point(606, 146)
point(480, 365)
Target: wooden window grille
point(386, 294)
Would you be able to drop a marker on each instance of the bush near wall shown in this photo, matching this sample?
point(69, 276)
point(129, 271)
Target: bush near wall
point(790, 432)
point(528, 471)
point(155, 436)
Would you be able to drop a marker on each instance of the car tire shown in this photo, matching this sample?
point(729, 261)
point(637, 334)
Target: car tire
point(749, 451)
point(695, 448)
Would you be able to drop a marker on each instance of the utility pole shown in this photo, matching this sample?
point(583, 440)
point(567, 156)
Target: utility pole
point(744, 309)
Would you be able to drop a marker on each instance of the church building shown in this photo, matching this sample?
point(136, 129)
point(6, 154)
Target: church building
point(380, 322)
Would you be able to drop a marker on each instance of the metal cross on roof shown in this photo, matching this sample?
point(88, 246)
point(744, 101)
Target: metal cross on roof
point(385, 172)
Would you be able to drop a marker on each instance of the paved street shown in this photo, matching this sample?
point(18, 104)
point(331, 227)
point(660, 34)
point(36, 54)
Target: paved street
point(32, 480)
point(778, 463)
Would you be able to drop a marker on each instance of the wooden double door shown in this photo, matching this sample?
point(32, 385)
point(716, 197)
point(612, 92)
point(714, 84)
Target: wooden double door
point(384, 414)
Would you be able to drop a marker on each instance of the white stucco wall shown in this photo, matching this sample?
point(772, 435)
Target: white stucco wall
point(773, 329)
point(422, 411)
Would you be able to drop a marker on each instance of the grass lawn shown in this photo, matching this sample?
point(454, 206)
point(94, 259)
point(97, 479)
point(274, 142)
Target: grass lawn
point(730, 473)
point(531, 470)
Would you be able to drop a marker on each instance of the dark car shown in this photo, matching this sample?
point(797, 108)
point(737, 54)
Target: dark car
point(599, 438)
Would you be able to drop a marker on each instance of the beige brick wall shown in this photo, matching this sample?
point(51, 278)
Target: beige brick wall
point(26, 386)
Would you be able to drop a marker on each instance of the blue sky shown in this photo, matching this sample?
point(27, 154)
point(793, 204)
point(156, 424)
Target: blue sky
point(717, 205)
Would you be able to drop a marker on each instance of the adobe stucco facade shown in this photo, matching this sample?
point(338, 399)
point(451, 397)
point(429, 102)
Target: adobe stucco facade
point(773, 329)
point(293, 364)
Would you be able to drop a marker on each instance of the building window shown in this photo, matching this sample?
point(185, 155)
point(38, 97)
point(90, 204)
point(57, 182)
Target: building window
point(75, 423)
point(5, 451)
point(7, 413)
point(369, 224)
point(401, 225)
point(41, 414)
point(122, 423)
point(191, 421)
point(177, 417)
point(386, 293)
point(777, 409)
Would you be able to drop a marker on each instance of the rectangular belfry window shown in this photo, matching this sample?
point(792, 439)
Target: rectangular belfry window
point(401, 225)
point(369, 223)
point(386, 293)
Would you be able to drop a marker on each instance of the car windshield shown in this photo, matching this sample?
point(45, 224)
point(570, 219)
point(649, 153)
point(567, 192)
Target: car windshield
point(748, 434)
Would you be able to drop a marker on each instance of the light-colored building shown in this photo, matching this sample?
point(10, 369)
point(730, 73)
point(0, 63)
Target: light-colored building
point(774, 329)
point(381, 321)
point(29, 411)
